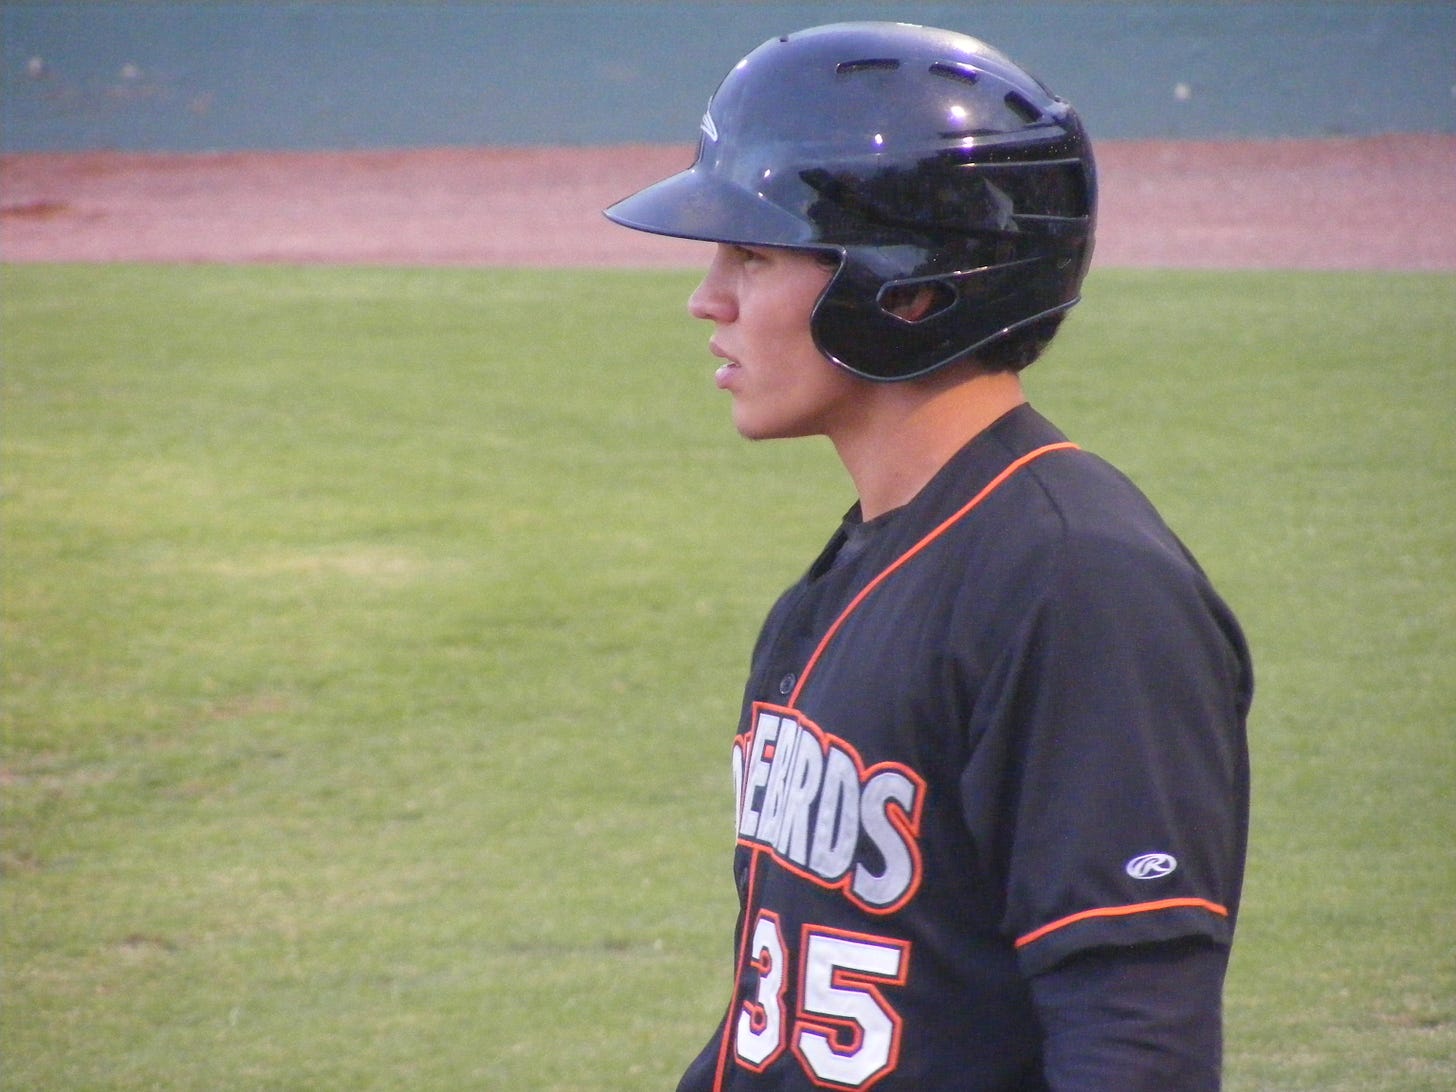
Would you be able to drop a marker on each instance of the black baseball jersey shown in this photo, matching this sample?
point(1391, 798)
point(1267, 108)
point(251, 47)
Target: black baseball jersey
point(987, 731)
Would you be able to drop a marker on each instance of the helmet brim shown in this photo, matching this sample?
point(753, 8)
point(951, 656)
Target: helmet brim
point(697, 205)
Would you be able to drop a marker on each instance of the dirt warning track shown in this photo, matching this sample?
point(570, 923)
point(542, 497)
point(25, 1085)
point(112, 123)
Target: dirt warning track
point(1385, 203)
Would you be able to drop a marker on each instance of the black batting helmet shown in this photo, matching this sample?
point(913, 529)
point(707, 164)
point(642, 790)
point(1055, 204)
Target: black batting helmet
point(920, 156)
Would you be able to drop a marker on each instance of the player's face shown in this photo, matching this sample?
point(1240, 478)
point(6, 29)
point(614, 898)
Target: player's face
point(759, 300)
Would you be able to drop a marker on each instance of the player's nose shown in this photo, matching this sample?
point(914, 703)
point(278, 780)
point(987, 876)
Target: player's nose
point(711, 300)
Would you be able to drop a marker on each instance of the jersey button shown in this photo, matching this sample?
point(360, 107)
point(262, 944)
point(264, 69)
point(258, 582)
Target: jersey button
point(786, 684)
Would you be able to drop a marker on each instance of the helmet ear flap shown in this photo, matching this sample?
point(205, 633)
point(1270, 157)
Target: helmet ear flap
point(853, 326)
point(888, 331)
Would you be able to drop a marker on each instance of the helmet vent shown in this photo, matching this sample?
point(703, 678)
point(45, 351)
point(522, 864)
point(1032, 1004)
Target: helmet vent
point(1022, 107)
point(963, 72)
point(869, 64)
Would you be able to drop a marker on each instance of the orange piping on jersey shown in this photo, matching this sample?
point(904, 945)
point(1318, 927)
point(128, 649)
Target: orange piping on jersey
point(1120, 911)
point(854, 603)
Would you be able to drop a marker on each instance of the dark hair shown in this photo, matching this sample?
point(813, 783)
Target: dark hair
point(1020, 348)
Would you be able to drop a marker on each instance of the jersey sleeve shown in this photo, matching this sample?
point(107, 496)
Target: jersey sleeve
point(1141, 1019)
point(1108, 783)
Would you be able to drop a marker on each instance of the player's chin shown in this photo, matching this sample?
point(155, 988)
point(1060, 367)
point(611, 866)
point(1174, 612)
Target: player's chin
point(750, 433)
point(750, 425)
point(756, 425)
point(777, 413)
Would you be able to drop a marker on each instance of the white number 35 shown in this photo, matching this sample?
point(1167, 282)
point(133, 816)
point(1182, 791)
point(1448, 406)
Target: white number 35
point(844, 1033)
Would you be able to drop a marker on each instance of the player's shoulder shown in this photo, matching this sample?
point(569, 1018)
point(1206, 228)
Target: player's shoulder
point(1067, 511)
point(1069, 495)
point(1089, 501)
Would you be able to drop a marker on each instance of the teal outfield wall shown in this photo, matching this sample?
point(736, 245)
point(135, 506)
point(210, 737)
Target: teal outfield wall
point(171, 76)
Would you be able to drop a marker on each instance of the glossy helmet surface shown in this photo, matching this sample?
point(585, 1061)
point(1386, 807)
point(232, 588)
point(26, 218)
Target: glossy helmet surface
point(920, 156)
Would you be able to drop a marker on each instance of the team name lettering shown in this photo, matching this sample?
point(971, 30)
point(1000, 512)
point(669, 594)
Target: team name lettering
point(806, 797)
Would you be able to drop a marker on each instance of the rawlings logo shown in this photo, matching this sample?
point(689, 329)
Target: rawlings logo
point(709, 129)
point(1151, 866)
point(807, 798)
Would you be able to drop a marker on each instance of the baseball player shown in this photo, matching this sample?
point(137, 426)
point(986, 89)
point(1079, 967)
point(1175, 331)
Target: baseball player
point(991, 774)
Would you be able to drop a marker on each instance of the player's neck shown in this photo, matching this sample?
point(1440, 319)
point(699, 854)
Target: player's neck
point(914, 429)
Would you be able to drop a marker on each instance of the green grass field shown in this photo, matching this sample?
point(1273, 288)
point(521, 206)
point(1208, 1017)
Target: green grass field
point(372, 642)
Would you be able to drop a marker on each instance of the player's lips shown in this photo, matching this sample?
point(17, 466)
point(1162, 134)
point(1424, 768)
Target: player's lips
point(724, 375)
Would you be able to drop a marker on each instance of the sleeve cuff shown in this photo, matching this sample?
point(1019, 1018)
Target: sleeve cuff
point(1120, 926)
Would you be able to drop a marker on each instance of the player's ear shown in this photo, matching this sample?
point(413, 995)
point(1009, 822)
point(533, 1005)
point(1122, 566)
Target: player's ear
point(916, 302)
